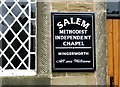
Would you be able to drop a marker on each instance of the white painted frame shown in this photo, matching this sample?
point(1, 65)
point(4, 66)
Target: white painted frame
point(17, 71)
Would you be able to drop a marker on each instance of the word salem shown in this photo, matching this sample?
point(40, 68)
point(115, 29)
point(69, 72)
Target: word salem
point(78, 21)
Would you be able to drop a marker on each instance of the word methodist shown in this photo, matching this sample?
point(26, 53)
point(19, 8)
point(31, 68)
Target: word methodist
point(73, 42)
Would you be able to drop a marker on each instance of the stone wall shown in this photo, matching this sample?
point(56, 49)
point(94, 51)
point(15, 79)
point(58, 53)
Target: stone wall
point(101, 44)
point(72, 6)
point(99, 77)
point(44, 74)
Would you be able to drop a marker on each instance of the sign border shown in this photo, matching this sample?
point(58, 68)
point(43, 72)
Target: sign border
point(93, 43)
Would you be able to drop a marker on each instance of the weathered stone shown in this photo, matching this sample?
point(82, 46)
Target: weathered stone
point(60, 6)
point(101, 50)
point(74, 80)
point(58, 74)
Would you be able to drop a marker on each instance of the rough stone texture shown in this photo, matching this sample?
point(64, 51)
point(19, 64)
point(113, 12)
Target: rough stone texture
point(18, 81)
point(74, 80)
point(80, 74)
point(101, 52)
point(72, 6)
point(44, 41)
point(61, 6)
point(86, 1)
point(59, 74)
point(80, 7)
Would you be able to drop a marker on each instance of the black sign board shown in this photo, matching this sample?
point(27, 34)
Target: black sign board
point(73, 42)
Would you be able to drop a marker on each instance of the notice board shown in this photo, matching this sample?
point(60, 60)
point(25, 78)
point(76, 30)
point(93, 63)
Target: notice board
point(73, 41)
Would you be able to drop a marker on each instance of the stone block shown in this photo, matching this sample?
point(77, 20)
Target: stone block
point(61, 6)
